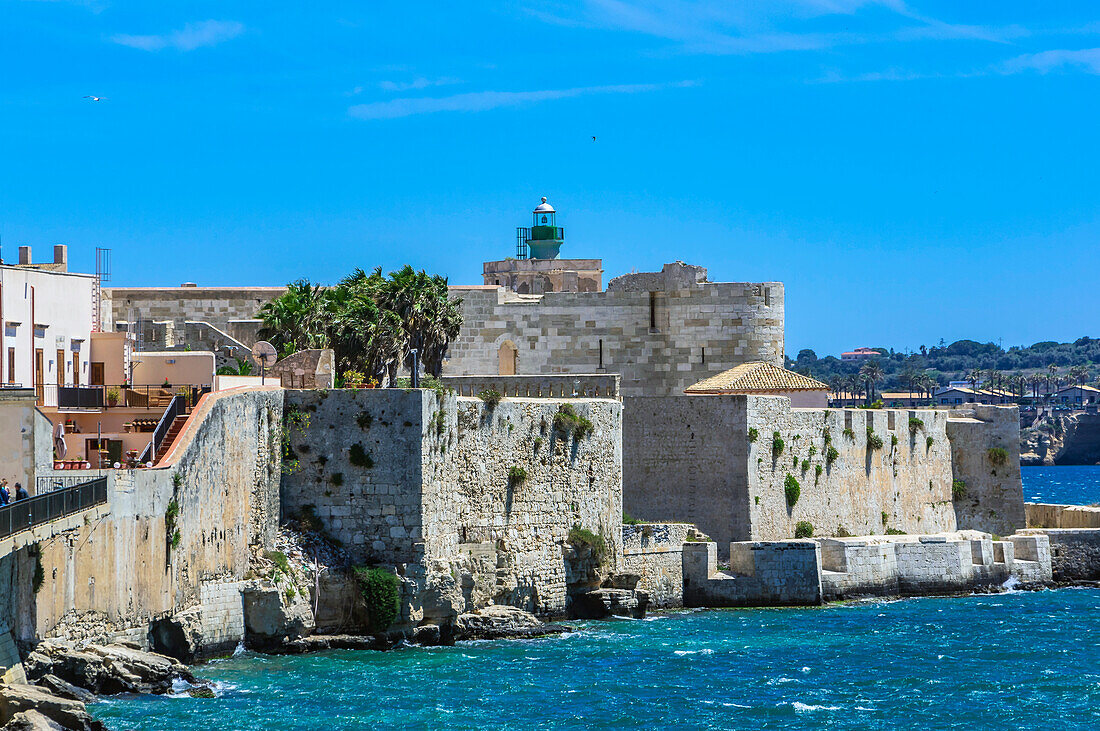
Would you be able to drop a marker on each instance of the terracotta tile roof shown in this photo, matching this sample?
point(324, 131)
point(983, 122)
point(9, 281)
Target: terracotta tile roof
point(756, 377)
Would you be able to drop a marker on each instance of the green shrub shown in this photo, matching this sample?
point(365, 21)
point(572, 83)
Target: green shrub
point(849, 433)
point(290, 594)
point(354, 379)
point(791, 489)
point(831, 455)
point(777, 445)
point(582, 538)
point(439, 422)
point(568, 421)
point(177, 479)
point(874, 441)
point(490, 397)
point(381, 593)
point(516, 475)
point(915, 424)
point(537, 443)
point(360, 457)
point(628, 519)
point(929, 442)
point(818, 469)
point(842, 532)
point(363, 419)
point(805, 465)
point(280, 560)
point(337, 479)
point(998, 455)
point(176, 539)
point(958, 489)
point(894, 532)
point(804, 529)
point(813, 451)
point(794, 461)
point(827, 435)
point(753, 434)
point(885, 517)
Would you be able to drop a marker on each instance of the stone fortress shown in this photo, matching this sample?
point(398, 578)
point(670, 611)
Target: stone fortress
point(474, 503)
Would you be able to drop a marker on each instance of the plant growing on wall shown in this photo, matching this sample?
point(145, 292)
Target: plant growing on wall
point(294, 419)
point(827, 435)
point(381, 593)
point(885, 517)
point(753, 434)
point(805, 465)
point(360, 457)
point(849, 433)
point(997, 455)
point(804, 529)
point(777, 445)
point(364, 420)
point(874, 441)
point(630, 520)
point(791, 489)
point(831, 455)
point(567, 421)
point(490, 397)
point(818, 469)
point(929, 442)
point(336, 478)
point(813, 451)
point(958, 489)
point(915, 424)
point(516, 475)
point(584, 539)
point(893, 440)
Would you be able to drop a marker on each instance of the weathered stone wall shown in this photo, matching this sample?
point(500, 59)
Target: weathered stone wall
point(217, 306)
point(662, 331)
point(111, 578)
point(994, 500)
point(1075, 552)
point(574, 385)
point(1048, 515)
point(306, 369)
point(760, 574)
point(654, 551)
point(434, 497)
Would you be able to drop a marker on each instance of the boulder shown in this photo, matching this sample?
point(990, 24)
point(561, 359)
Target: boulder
point(65, 689)
point(502, 622)
point(178, 636)
point(27, 699)
point(271, 619)
point(31, 721)
point(601, 603)
point(106, 669)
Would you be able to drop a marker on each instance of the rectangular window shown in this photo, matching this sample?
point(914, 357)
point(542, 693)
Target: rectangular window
point(601, 354)
point(96, 375)
point(76, 369)
point(60, 368)
point(11, 365)
point(39, 374)
point(767, 297)
point(652, 310)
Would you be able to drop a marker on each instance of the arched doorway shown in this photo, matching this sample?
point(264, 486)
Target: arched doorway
point(507, 358)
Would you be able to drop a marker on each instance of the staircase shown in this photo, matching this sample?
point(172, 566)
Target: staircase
point(170, 438)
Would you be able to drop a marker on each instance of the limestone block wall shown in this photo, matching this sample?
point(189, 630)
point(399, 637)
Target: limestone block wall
point(1047, 515)
point(654, 551)
point(994, 493)
point(584, 385)
point(222, 614)
point(778, 573)
point(113, 576)
point(661, 331)
point(905, 485)
point(1074, 552)
point(436, 501)
point(306, 369)
point(217, 306)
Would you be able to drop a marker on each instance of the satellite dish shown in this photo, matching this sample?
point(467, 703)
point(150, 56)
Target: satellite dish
point(264, 354)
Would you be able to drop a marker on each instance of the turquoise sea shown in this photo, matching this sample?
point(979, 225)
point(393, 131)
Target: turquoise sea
point(1069, 485)
point(1012, 660)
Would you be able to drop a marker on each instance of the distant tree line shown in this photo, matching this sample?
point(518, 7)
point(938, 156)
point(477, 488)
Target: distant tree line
point(1023, 371)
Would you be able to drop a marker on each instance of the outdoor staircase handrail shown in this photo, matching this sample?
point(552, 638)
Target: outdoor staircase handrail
point(176, 407)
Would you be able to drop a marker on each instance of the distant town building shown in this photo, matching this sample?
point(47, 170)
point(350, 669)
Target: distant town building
point(859, 354)
point(765, 379)
point(536, 268)
point(1077, 396)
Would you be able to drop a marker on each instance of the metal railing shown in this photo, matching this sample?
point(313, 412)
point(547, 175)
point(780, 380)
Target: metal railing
point(117, 395)
point(177, 407)
point(55, 482)
point(26, 514)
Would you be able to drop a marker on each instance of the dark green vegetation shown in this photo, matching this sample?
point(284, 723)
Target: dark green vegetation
point(490, 397)
point(381, 593)
point(629, 519)
point(998, 455)
point(804, 529)
point(1019, 370)
point(243, 368)
point(279, 559)
point(958, 489)
point(516, 475)
point(582, 538)
point(753, 434)
point(567, 421)
point(360, 457)
point(791, 489)
point(373, 322)
point(777, 445)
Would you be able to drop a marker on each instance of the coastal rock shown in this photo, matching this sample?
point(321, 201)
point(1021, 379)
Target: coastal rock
point(31, 721)
point(25, 700)
point(601, 603)
point(270, 618)
point(65, 689)
point(106, 669)
point(178, 636)
point(502, 622)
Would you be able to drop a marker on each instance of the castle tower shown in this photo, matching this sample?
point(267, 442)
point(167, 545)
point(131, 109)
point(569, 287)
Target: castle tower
point(536, 269)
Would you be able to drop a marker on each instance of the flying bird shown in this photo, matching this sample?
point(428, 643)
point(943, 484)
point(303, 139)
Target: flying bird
point(593, 138)
point(96, 98)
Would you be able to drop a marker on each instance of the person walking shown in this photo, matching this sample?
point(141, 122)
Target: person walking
point(21, 492)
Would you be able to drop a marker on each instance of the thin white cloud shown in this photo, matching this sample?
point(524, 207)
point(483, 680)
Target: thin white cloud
point(188, 38)
point(418, 83)
point(483, 100)
point(1085, 59)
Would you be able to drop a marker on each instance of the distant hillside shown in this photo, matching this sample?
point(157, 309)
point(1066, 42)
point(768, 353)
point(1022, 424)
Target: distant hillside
point(953, 362)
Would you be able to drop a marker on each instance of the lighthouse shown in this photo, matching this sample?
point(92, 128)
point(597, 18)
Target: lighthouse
point(544, 239)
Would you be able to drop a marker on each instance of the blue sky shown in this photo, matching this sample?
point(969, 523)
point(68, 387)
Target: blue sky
point(911, 170)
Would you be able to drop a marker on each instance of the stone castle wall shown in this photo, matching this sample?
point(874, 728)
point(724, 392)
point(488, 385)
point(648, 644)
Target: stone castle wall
point(690, 458)
point(662, 331)
point(112, 578)
point(655, 553)
point(434, 497)
point(217, 306)
point(993, 500)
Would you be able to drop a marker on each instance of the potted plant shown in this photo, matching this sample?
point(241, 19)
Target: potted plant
point(112, 396)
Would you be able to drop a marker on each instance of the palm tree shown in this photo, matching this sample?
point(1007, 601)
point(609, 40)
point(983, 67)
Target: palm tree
point(928, 384)
point(836, 383)
point(871, 373)
point(1052, 371)
point(1035, 380)
point(1079, 374)
point(910, 378)
point(974, 376)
